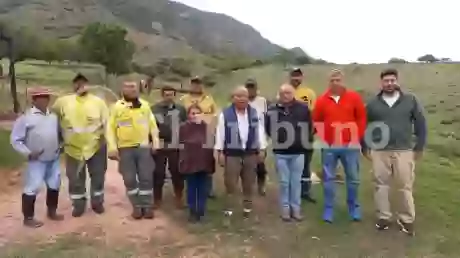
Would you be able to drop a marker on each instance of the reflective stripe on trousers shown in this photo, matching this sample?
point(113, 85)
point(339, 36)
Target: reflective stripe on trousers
point(133, 192)
point(77, 196)
point(146, 192)
point(98, 193)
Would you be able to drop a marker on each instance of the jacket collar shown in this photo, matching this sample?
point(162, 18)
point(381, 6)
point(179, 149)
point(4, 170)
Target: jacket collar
point(329, 92)
point(168, 105)
point(380, 93)
point(35, 110)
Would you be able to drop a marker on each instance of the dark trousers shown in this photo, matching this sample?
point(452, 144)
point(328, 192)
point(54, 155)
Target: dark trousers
point(306, 174)
point(261, 173)
point(197, 192)
point(171, 158)
point(134, 166)
point(76, 173)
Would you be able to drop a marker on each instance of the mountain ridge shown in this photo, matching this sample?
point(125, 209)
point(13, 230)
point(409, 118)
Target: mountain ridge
point(159, 28)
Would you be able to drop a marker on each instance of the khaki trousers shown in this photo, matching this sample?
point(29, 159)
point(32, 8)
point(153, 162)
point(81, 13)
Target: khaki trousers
point(237, 167)
point(400, 166)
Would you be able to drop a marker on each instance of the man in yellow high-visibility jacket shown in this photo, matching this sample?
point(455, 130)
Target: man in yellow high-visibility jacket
point(82, 118)
point(130, 126)
point(198, 96)
point(308, 96)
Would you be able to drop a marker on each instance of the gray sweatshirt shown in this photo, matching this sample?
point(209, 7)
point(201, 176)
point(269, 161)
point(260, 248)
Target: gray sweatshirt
point(36, 131)
point(404, 119)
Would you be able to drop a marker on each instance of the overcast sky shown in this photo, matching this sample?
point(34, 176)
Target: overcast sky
point(346, 31)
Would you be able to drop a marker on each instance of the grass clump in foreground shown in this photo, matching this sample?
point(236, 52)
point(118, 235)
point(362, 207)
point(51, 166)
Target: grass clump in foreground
point(67, 246)
point(9, 158)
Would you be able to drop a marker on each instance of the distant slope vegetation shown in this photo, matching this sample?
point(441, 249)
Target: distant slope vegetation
point(160, 28)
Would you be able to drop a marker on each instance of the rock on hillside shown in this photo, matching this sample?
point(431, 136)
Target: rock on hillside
point(159, 27)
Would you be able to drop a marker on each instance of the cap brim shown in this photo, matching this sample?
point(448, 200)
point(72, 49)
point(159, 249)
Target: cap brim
point(196, 80)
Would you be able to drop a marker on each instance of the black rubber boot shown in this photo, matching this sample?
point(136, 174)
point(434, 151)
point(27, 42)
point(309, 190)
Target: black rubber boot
point(79, 207)
point(52, 199)
point(98, 207)
point(28, 210)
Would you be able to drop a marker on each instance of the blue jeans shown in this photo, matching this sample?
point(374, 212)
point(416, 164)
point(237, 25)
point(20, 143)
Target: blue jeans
point(290, 168)
point(350, 161)
point(197, 192)
point(38, 172)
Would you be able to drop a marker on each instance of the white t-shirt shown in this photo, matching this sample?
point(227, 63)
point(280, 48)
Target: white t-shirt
point(260, 104)
point(391, 99)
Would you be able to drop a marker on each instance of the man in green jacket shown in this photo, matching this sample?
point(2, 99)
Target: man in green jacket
point(394, 116)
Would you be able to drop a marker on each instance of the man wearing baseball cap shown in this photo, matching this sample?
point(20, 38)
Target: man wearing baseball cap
point(35, 135)
point(308, 96)
point(260, 104)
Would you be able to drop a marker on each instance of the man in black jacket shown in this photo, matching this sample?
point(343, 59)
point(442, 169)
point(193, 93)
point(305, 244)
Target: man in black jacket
point(288, 123)
point(169, 115)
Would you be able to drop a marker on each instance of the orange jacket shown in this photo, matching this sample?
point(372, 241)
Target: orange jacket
point(340, 123)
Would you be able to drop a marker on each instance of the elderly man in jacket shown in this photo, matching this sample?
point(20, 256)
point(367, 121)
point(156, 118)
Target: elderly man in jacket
point(83, 117)
point(35, 135)
point(130, 126)
point(240, 144)
point(288, 122)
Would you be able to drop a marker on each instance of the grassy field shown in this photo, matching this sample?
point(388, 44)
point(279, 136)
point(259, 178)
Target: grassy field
point(436, 190)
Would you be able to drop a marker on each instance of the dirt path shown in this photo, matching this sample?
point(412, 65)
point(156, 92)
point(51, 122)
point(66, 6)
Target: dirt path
point(114, 225)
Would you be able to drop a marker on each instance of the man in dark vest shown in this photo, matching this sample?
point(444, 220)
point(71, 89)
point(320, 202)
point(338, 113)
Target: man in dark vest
point(240, 144)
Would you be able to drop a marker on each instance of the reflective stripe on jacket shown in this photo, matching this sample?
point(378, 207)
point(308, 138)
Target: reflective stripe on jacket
point(130, 127)
point(82, 120)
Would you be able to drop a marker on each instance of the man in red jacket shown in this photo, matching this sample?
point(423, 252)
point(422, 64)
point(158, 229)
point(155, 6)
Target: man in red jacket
point(340, 122)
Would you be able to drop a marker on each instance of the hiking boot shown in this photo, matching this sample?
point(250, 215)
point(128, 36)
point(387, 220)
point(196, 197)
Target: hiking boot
point(32, 223)
point(308, 198)
point(382, 224)
point(148, 213)
point(297, 216)
point(79, 208)
point(137, 213)
point(286, 215)
point(407, 228)
point(53, 215)
point(98, 208)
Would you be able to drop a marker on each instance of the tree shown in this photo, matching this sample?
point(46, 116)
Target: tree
point(106, 44)
point(50, 51)
point(303, 60)
point(428, 58)
point(396, 60)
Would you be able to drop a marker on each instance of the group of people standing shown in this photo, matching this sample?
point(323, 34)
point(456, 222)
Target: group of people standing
point(189, 137)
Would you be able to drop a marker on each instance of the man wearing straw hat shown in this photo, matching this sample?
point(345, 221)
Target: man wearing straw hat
point(35, 135)
point(82, 118)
